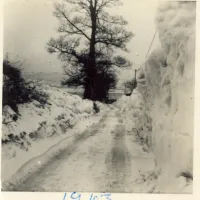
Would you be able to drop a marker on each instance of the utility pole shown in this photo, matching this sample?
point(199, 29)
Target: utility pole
point(135, 81)
point(135, 73)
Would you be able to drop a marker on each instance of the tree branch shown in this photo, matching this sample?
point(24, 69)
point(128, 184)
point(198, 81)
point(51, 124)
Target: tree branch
point(60, 12)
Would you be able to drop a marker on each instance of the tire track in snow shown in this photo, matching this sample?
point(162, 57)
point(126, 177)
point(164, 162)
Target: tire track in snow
point(103, 158)
point(118, 161)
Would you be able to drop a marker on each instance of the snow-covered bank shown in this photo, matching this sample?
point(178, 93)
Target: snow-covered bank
point(39, 127)
point(53, 147)
point(168, 96)
point(132, 110)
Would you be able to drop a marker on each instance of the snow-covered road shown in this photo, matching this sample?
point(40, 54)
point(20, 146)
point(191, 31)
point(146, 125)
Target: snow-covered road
point(103, 158)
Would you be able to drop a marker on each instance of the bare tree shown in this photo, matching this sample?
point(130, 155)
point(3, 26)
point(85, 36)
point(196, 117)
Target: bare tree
point(88, 42)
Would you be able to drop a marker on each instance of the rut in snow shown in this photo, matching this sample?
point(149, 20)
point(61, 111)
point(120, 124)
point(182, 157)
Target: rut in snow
point(104, 158)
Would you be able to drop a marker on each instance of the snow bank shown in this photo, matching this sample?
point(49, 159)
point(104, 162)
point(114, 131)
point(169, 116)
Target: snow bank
point(36, 120)
point(52, 149)
point(168, 96)
point(130, 110)
point(39, 126)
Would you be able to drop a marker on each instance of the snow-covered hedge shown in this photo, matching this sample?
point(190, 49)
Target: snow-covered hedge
point(38, 121)
point(168, 95)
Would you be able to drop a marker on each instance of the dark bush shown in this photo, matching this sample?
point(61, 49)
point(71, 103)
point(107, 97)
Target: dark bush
point(15, 89)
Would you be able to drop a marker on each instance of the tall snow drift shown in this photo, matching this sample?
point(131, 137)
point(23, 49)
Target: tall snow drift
point(168, 96)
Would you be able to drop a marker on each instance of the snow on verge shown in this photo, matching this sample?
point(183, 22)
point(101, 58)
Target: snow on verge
point(36, 163)
point(40, 126)
point(130, 110)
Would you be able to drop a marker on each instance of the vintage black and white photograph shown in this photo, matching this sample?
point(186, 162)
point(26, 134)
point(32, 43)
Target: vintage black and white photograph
point(98, 96)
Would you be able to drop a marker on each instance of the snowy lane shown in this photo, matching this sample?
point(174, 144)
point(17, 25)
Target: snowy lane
point(103, 158)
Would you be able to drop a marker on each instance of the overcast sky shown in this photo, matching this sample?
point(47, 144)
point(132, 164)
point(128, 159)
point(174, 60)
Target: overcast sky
point(30, 23)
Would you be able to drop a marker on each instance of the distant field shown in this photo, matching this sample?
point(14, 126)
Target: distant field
point(53, 79)
point(113, 94)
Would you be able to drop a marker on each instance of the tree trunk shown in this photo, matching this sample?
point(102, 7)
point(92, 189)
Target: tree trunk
point(88, 91)
point(91, 71)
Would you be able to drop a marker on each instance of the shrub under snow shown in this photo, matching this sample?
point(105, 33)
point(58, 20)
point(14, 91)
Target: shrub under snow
point(37, 121)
